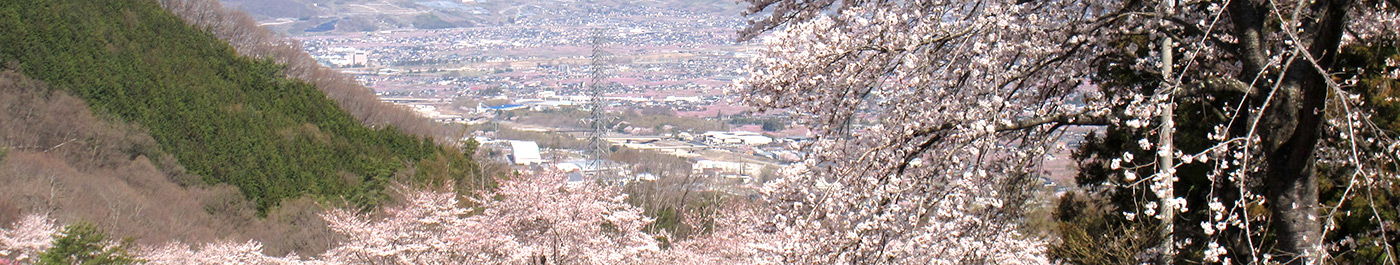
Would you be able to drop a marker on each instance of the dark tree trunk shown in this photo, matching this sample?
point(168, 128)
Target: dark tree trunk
point(1291, 189)
point(1291, 123)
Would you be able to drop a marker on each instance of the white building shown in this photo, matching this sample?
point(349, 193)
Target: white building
point(547, 95)
point(737, 137)
point(525, 153)
point(727, 167)
point(349, 57)
point(360, 58)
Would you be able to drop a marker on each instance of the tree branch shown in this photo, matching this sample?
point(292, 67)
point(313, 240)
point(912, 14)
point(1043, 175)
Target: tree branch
point(935, 133)
point(1215, 85)
point(1058, 119)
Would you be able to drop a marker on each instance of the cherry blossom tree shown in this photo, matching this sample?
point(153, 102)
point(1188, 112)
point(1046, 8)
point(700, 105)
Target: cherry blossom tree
point(929, 116)
point(530, 219)
point(932, 116)
point(35, 233)
point(739, 234)
point(217, 253)
point(26, 238)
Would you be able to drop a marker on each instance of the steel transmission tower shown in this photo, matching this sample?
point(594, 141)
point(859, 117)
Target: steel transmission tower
point(598, 121)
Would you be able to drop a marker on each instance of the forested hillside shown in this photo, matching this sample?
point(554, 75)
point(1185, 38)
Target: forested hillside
point(224, 117)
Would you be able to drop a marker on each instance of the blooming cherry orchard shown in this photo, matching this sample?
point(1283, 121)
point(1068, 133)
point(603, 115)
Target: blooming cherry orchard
point(542, 219)
point(932, 116)
point(532, 219)
point(538, 219)
point(218, 253)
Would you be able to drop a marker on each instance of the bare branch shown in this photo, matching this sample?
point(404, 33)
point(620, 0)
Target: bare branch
point(1216, 85)
point(1058, 119)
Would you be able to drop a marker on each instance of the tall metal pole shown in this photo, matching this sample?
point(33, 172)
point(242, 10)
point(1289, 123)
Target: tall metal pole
point(1165, 147)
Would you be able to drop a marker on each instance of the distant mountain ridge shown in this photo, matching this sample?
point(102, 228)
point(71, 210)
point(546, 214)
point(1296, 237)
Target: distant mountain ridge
point(297, 16)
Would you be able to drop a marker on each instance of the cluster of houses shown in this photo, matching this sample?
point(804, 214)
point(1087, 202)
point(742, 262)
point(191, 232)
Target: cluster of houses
point(730, 154)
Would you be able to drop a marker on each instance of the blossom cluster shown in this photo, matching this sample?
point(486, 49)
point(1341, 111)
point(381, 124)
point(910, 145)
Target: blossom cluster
point(534, 218)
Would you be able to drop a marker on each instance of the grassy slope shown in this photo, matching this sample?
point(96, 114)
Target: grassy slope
point(227, 118)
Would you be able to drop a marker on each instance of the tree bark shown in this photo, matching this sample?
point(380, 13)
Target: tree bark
point(1290, 130)
point(1291, 190)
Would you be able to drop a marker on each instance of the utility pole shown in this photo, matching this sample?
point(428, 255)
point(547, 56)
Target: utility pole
point(1165, 148)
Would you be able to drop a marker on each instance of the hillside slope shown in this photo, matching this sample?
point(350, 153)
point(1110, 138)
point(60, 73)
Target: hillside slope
point(57, 157)
point(224, 117)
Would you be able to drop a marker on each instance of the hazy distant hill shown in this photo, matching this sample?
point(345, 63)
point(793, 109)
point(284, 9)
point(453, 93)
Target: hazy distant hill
point(276, 8)
point(296, 16)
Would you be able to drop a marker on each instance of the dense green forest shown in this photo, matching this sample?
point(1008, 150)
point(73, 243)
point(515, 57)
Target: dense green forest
point(225, 117)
